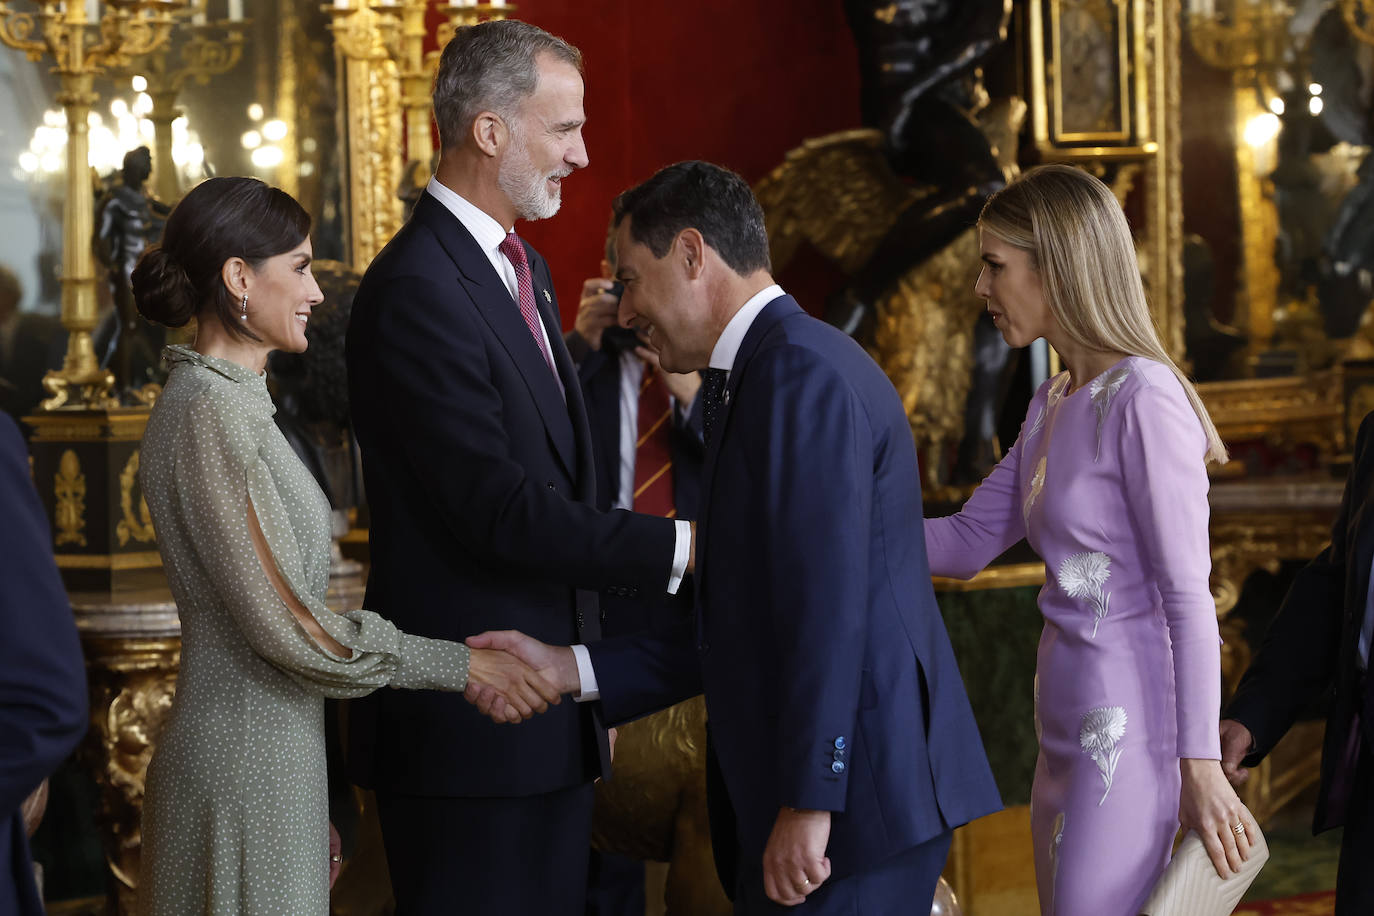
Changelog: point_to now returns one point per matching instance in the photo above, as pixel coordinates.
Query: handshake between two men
(513, 677)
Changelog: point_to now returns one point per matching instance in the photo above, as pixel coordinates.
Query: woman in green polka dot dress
(235, 817)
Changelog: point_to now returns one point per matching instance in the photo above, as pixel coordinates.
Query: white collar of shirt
(728, 344)
(489, 234)
(487, 231)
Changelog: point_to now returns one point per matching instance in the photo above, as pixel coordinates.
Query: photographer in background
(646, 423)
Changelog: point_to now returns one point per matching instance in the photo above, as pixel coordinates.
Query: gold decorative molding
(140, 527)
(1258, 286)
(141, 559)
(85, 463)
(371, 126)
(1138, 42)
(1090, 81)
(132, 682)
(124, 424)
(70, 489)
(1010, 575)
(293, 48)
(1163, 250)
(1282, 411)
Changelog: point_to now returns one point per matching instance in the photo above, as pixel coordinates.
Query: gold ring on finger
(1238, 829)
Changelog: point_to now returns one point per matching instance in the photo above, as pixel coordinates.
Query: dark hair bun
(162, 290)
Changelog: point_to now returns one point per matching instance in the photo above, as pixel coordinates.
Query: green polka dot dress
(235, 818)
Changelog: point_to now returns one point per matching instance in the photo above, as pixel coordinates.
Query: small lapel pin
(547, 297)
(727, 396)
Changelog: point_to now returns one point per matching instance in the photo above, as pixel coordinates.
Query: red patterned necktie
(515, 253)
(653, 456)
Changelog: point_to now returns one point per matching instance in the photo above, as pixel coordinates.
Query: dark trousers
(1354, 876)
(902, 885)
(488, 856)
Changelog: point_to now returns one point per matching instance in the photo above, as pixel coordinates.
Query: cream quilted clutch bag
(1190, 885)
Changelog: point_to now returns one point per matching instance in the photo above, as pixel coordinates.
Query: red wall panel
(737, 83)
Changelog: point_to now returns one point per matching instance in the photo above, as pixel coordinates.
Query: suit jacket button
(839, 743)
(837, 767)
(839, 755)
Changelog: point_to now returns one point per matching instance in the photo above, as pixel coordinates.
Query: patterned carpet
(1301, 871)
(1322, 903)
(1300, 864)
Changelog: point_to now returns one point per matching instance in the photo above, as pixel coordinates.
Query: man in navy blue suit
(42, 676)
(839, 730)
(477, 460)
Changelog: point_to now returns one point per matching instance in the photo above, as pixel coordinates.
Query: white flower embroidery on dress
(1037, 483)
(1082, 575)
(1056, 840)
(1036, 426)
(1100, 737)
(1101, 391)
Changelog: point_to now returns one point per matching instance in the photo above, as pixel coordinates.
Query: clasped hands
(511, 676)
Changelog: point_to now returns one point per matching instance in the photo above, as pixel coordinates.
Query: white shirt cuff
(682, 549)
(586, 676)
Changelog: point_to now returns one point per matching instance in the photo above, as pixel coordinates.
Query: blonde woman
(1108, 482)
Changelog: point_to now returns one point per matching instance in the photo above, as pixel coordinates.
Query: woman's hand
(335, 855)
(1209, 806)
(511, 689)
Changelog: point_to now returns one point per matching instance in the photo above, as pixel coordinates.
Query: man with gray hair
(478, 466)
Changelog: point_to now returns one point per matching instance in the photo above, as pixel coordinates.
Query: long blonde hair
(1079, 241)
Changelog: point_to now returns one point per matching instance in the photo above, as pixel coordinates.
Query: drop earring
(243, 313)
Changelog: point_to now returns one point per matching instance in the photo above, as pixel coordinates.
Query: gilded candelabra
(201, 49)
(82, 45)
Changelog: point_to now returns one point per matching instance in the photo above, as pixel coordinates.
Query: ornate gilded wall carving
(132, 681)
(138, 527)
(372, 116)
(70, 489)
(655, 807)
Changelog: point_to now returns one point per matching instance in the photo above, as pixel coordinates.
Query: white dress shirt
(722, 357)
(489, 235)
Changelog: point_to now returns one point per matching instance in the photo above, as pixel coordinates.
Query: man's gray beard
(523, 185)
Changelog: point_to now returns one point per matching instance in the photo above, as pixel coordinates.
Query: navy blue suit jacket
(480, 486)
(599, 372)
(829, 678)
(43, 702)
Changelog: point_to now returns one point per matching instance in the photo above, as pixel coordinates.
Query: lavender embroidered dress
(1109, 486)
